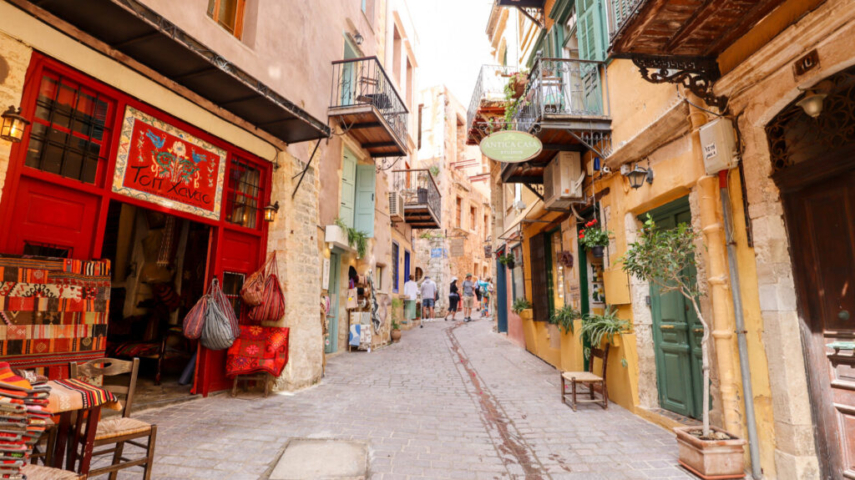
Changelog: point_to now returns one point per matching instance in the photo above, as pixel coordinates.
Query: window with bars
(46, 250)
(244, 194)
(232, 283)
(69, 134)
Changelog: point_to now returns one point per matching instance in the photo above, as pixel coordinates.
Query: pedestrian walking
(453, 299)
(468, 297)
(429, 292)
(411, 292)
(477, 292)
(484, 302)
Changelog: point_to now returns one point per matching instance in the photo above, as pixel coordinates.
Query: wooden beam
(360, 126)
(565, 147)
(379, 145)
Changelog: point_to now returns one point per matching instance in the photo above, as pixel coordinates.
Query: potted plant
(597, 327)
(594, 238)
(396, 330)
(507, 260)
(520, 306)
(564, 317)
(516, 85)
(355, 238)
(661, 257)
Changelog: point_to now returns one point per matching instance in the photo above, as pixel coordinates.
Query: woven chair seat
(582, 376)
(38, 472)
(117, 427)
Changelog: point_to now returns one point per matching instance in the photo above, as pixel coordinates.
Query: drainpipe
(742, 343)
(722, 329)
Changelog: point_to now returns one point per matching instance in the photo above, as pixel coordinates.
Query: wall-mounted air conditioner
(562, 181)
(396, 206)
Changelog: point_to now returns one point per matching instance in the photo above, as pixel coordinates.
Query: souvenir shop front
(154, 206)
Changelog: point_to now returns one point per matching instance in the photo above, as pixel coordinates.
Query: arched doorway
(813, 164)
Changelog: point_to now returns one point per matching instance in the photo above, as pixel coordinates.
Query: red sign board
(161, 164)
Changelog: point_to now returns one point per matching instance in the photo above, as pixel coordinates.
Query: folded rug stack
(23, 419)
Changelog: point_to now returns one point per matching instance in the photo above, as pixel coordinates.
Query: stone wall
(14, 60)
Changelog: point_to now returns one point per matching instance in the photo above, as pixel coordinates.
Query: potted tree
(594, 238)
(661, 257)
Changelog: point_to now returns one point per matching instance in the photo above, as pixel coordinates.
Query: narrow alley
(451, 400)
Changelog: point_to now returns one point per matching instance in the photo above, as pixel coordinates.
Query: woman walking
(453, 299)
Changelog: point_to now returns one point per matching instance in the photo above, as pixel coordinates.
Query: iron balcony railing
(363, 81)
(489, 89)
(621, 11)
(559, 86)
(418, 188)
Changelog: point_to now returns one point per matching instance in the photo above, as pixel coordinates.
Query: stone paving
(451, 400)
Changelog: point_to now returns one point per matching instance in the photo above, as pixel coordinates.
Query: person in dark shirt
(453, 299)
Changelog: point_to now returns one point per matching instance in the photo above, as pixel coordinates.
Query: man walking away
(428, 299)
(468, 297)
(411, 291)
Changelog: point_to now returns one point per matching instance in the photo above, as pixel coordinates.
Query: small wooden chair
(590, 379)
(119, 430)
(38, 472)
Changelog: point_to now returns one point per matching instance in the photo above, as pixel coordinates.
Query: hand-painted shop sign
(511, 146)
(161, 164)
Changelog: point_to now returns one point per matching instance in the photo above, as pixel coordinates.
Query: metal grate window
(69, 134)
(46, 250)
(244, 194)
(232, 283)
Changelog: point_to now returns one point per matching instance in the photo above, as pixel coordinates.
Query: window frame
(396, 266)
(240, 11)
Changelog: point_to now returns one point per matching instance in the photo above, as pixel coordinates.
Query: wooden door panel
(675, 388)
(49, 214)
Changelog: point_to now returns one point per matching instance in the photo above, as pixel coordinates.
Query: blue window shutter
(348, 188)
(364, 211)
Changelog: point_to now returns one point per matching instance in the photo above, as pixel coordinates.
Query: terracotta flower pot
(396, 336)
(711, 459)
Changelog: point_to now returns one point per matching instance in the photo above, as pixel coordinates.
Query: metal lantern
(812, 103)
(13, 126)
(638, 175)
(270, 212)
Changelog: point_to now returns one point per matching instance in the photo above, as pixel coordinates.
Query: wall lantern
(358, 38)
(812, 103)
(13, 126)
(638, 175)
(270, 212)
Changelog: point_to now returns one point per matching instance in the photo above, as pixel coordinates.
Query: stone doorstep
(666, 419)
(309, 458)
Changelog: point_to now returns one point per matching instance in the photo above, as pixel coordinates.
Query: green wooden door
(677, 333)
(334, 291)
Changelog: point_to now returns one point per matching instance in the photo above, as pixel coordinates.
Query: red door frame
(212, 380)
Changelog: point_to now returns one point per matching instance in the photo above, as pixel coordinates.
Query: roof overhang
(135, 30)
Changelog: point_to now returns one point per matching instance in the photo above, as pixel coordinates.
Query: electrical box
(562, 181)
(719, 146)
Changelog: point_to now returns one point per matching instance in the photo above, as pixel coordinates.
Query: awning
(142, 34)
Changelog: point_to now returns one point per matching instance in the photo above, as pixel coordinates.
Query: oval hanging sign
(511, 146)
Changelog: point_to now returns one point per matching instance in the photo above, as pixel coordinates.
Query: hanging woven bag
(253, 289)
(194, 322)
(226, 307)
(272, 307)
(217, 333)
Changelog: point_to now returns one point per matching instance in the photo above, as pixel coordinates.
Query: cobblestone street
(448, 401)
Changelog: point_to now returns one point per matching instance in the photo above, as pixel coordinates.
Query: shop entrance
(159, 273)
(677, 332)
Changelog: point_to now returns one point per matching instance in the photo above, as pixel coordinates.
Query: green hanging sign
(511, 146)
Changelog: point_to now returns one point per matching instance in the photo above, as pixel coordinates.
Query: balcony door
(349, 75)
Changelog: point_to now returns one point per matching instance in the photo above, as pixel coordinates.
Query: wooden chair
(590, 379)
(117, 431)
(38, 472)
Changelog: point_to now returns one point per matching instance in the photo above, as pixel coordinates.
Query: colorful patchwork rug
(258, 349)
(72, 394)
(53, 311)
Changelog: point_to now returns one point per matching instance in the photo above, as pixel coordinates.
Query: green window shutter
(591, 29)
(364, 212)
(348, 188)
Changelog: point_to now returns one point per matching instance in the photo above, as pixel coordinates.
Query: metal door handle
(666, 327)
(698, 330)
(843, 315)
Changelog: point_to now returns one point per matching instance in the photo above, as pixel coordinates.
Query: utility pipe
(722, 328)
(742, 343)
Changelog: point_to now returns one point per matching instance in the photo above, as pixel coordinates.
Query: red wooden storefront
(60, 183)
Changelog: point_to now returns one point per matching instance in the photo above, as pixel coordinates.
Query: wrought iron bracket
(698, 74)
(533, 14)
(385, 163)
(592, 139)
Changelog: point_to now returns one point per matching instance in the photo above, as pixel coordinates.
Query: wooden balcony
(421, 198)
(366, 105)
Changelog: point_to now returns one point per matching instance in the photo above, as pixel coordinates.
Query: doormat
(308, 458)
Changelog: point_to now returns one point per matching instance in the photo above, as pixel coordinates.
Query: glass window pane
(52, 160)
(228, 13)
(71, 167)
(34, 153)
(90, 168)
(212, 4)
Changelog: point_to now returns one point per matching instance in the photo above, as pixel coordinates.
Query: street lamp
(270, 212)
(358, 39)
(13, 126)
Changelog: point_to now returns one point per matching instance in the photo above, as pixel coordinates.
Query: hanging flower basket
(594, 238)
(598, 251)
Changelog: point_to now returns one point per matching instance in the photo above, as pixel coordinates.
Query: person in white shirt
(411, 292)
(429, 293)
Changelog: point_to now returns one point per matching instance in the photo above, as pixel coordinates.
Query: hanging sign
(511, 146)
(161, 164)
(457, 247)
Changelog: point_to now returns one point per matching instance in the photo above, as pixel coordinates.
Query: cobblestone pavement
(451, 400)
